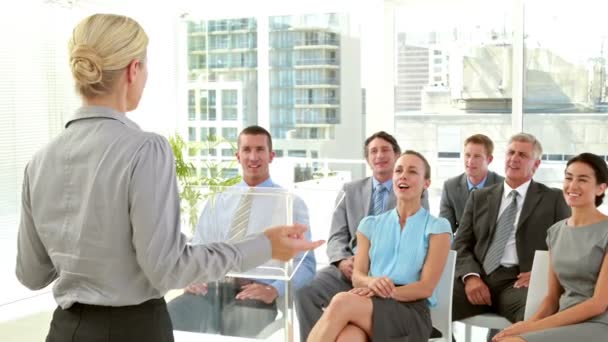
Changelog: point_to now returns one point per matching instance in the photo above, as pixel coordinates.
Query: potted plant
(190, 182)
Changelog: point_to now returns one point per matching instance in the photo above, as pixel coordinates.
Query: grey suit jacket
(543, 206)
(354, 206)
(454, 196)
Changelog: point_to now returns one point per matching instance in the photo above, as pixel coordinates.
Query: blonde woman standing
(100, 206)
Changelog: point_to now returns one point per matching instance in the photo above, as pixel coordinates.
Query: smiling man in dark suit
(478, 151)
(501, 228)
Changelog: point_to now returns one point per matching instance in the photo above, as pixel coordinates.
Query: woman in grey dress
(575, 307)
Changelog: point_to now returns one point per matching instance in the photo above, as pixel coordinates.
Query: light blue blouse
(400, 254)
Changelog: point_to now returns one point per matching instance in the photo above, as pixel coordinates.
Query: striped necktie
(504, 228)
(378, 207)
(240, 220)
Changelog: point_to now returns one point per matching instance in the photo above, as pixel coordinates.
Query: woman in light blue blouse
(399, 260)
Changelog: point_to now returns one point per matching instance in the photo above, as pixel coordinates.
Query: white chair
(441, 314)
(539, 282)
(536, 293)
(486, 320)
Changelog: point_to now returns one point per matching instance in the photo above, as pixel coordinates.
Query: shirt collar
(268, 183)
(478, 186)
(388, 184)
(522, 190)
(420, 213)
(89, 112)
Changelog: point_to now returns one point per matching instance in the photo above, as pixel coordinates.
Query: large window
(321, 76)
(566, 88)
(453, 79)
(36, 99)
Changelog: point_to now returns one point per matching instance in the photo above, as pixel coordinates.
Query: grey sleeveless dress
(576, 257)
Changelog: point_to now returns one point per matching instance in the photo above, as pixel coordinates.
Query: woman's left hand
(363, 292)
(513, 330)
(382, 286)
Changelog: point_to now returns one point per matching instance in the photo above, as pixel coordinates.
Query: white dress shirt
(509, 257)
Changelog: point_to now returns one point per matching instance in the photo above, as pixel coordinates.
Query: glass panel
(232, 214)
(566, 89)
(453, 80)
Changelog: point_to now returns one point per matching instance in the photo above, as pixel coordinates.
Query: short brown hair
(384, 136)
(481, 139)
(255, 130)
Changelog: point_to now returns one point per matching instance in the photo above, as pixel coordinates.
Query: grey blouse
(100, 214)
(576, 256)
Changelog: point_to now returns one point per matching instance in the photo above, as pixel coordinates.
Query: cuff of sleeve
(254, 251)
(470, 274)
(336, 259)
(279, 285)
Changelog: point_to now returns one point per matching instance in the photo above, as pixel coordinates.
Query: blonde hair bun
(101, 47)
(86, 65)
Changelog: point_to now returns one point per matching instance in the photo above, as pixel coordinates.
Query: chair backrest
(539, 282)
(441, 314)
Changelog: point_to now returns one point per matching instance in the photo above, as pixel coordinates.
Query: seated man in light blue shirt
(239, 306)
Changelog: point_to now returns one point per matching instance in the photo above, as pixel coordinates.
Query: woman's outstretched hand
(287, 241)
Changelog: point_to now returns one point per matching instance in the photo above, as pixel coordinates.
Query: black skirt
(400, 321)
(148, 321)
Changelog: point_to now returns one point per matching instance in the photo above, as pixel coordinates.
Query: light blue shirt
(388, 185)
(268, 209)
(478, 186)
(400, 254)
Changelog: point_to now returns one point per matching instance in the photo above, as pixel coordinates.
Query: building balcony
(323, 82)
(222, 66)
(317, 43)
(315, 120)
(318, 102)
(316, 63)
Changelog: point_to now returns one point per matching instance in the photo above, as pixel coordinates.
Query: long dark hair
(599, 167)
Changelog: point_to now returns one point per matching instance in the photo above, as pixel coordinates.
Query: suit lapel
(366, 196)
(463, 191)
(494, 199)
(533, 196)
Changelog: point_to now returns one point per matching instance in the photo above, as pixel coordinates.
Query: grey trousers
(218, 312)
(507, 301)
(312, 298)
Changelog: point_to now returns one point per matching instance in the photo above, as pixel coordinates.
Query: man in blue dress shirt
(239, 306)
(478, 154)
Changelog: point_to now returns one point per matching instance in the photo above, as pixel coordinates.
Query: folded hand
(382, 286)
(363, 292)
